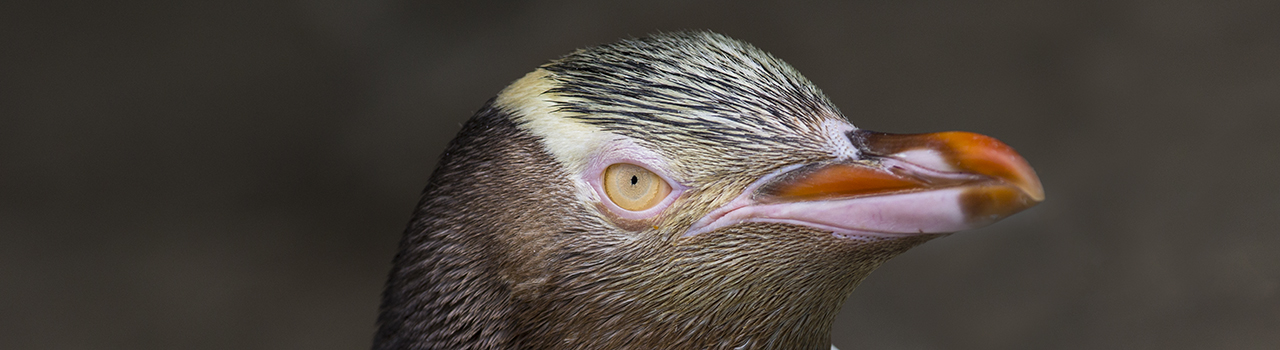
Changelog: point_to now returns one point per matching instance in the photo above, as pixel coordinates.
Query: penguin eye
(634, 188)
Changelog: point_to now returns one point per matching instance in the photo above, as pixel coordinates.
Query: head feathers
(735, 103)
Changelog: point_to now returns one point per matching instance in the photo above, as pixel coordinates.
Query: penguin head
(684, 190)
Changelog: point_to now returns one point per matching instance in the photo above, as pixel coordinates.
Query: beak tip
(986, 155)
(1035, 192)
(1027, 181)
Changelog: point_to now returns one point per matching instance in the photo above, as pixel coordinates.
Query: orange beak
(900, 185)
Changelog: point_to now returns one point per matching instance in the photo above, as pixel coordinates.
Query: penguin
(677, 191)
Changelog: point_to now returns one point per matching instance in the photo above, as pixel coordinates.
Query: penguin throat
(724, 292)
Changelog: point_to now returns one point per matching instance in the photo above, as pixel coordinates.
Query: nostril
(859, 139)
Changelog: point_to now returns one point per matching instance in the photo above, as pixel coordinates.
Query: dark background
(235, 174)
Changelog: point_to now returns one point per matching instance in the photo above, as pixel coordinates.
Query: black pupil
(634, 179)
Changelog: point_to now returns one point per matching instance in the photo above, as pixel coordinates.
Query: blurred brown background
(235, 174)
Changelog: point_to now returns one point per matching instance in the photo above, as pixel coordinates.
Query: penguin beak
(900, 185)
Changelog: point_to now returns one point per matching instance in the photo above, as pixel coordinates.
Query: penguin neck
(603, 323)
(449, 286)
(738, 290)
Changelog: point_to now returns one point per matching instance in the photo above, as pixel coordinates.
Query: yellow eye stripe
(634, 188)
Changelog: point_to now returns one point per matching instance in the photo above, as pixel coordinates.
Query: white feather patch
(571, 142)
(837, 134)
